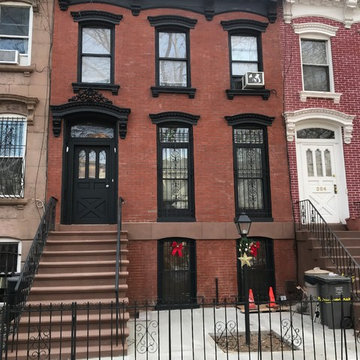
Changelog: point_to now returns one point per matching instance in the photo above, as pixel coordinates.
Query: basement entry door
(92, 187)
(321, 173)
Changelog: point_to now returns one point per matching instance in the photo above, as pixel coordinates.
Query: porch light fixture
(243, 224)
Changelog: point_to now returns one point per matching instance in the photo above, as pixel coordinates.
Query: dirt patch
(267, 341)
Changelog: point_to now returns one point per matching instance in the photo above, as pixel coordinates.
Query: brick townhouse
(25, 37)
(149, 102)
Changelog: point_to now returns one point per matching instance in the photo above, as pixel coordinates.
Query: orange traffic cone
(272, 303)
(252, 305)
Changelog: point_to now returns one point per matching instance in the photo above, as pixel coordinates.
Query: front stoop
(78, 265)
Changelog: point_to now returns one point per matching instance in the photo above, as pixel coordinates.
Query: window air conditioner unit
(9, 57)
(253, 80)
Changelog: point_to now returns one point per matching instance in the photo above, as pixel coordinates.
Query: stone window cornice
(293, 118)
(18, 104)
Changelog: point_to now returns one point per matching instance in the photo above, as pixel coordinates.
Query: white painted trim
(344, 11)
(294, 118)
(25, 59)
(321, 95)
(315, 28)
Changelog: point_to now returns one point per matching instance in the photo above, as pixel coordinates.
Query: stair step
(60, 293)
(84, 255)
(87, 227)
(90, 244)
(85, 235)
(348, 234)
(74, 279)
(80, 266)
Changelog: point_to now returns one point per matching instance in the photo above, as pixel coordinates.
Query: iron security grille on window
(12, 156)
(175, 172)
(251, 172)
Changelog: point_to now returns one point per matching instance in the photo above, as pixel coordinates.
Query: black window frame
(175, 120)
(244, 27)
(172, 24)
(253, 121)
(259, 62)
(102, 20)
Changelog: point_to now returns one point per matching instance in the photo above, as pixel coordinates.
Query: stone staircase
(310, 253)
(77, 266)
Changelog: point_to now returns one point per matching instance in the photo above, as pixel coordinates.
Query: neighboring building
(147, 103)
(25, 37)
(321, 70)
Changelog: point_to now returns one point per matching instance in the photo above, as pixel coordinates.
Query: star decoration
(245, 259)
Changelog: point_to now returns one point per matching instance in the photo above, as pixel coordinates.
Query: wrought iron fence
(212, 330)
(310, 219)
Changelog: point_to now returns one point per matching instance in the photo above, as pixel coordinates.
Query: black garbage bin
(335, 300)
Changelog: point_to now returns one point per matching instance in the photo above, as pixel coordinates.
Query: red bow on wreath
(254, 248)
(176, 249)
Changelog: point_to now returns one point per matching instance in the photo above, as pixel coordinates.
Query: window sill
(156, 90)
(18, 202)
(27, 70)
(264, 93)
(176, 219)
(110, 87)
(320, 94)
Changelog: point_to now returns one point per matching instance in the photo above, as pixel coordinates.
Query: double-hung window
(175, 165)
(173, 59)
(251, 165)
(15, 34)
(315, 64)
(96, 53)
(251, 171)
(172, 54)
(12, 155)
(245, 57)
(175, 169)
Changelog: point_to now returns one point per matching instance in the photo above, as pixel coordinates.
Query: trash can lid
(332, 279)
(316, 270)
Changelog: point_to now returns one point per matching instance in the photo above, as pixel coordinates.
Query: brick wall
(345, 47)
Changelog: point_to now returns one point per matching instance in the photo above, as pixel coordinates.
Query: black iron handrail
(118, 266)
(23, 285)
(331, 246)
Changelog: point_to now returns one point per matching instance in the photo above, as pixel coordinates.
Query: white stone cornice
(345, 11)
(293, 118)
(314, 27)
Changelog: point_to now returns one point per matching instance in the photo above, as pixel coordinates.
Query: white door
(322, 177)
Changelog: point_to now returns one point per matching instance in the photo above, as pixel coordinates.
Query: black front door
(177, 274)
(90, 177)
(92, 185)
(261, 275)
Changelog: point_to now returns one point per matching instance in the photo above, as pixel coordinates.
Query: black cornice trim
(264, 93)
(156, 90)
(172, 20)
(89, 101)
(174, 116)
(208, 8)
(244, 24)
(95, 15)
(249, 118)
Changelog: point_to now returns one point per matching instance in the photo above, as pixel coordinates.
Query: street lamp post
(243, 224)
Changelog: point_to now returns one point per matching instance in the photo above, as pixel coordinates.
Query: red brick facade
(213, 230)
(345, 47)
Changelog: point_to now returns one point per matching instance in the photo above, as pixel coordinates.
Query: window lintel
(249, 119)
(315, 29)
(244, 25)
(96, 16)
(25, 105)
(172, 20)
(176, 117)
